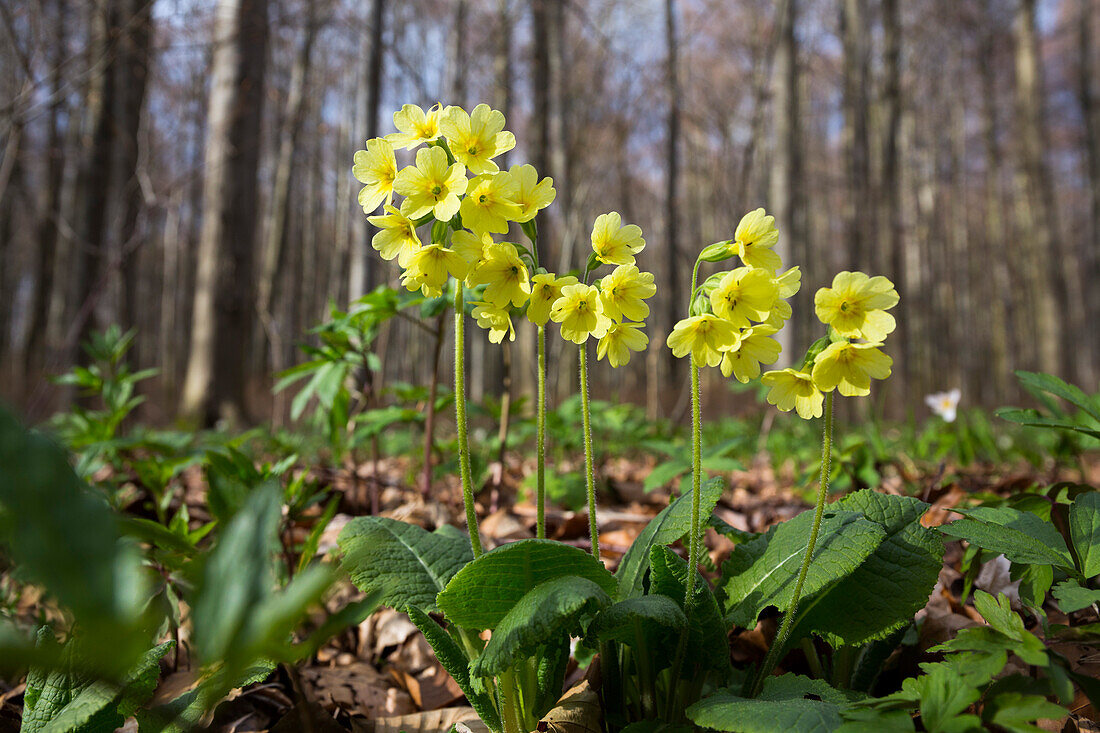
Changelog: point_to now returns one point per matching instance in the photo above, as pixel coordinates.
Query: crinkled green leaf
(551, 611)
(1022, 537)
(708, 642)
(671, 524)
(891, 585)
(787, 703)
(409, 564)
(483, 592)
(1084, 529)
(943, 697)
(763, 572)
(650, 620)
(863, 720)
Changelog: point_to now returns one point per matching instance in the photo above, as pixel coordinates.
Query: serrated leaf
(1071, 596)
(787, 703)
(484, 591)
(1084, 530)
(891, 585)
(1020, 536)
(550, 611)
(671, 524)
(943, 697)
(763, 572)
(708, 644)
(409, 564)
(1015, 712)
(876, 721)
(1073, 394)
(456, 663)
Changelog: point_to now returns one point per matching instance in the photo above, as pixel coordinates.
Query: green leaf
(665, 473)
(1034, 419)
(787, 703)
(552, 610)
(1034, 381)
(482, 593)
(641, 621)
(237, 574)
(1015, 712)
(671, 524)
(1005, 633)
(708, 643)
(1084, 531)
(457, 664)
(66, 702)
(1020, 536)
(863, 720)
(409, 564)
(943, 696)
(1071, 596)
(763, 572)
(891, 585)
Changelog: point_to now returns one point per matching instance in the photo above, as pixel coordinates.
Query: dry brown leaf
(432, 721)
(578, 711)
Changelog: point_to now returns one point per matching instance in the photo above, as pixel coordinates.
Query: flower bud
(717, 252)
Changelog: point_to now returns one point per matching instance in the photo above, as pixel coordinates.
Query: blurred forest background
(183, 168)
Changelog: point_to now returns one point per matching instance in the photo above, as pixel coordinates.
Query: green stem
(695, 541)
(512, 716)
(589, 472)
(460, 419)
(540, 476)
(788, 618)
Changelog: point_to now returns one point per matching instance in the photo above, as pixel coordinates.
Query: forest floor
(381, 676)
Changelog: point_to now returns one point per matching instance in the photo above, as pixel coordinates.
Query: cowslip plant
(444, 236)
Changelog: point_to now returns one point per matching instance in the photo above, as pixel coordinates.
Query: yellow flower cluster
(455, 185)
(735, 313)
(613, 310)
(853, 308)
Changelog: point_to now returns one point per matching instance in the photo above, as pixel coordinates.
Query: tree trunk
(1034, 208)
(1090, 111)
(892, 217)
(786, 173)
(215, 382)
(363, 272)
(274, 252)
(859, 206)
(673, 304)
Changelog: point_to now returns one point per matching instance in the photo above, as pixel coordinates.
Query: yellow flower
(756, 348)
(376, 166)
(855, 306)
(849, 367)
(755, 236)
(489, 204)
(706, 336)
(497, 321)
(619, 341)
(545, 289)
(743, 294)
(429, 268)
(623, 293)
(475, 139)
(613, 243)
(431, 185)
(579, 310)
(396, 236)
(505, 274)
(415, 126)
(780, 314)
(470, 246)
(789, 283)
(532, 195)
(794, 389)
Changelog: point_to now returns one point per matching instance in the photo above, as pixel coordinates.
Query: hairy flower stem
(460, 420)
(788, 618)
(589, 468)
(540, 477)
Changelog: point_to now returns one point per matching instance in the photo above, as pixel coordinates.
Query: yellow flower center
(436, 190)
(482, 198)
(472, 150)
